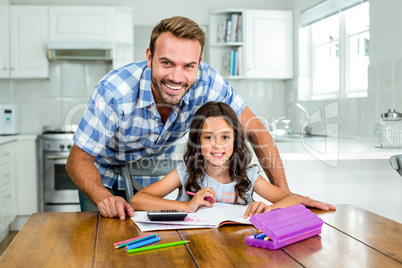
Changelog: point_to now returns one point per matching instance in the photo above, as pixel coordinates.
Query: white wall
(385, 30)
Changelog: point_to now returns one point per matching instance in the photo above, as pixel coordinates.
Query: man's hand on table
(308, 202)
(115, 206)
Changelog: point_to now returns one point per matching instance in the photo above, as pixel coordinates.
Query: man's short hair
(180, 27)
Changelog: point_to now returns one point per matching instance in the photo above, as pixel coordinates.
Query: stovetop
(59, 133)
(67, 129)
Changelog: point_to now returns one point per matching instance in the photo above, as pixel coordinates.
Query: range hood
(79, 50)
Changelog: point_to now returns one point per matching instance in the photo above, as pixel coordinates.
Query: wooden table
(351, 237)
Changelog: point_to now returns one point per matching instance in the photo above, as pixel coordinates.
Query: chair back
(396, 163)
(144, 167)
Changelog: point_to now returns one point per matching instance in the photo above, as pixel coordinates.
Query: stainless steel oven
(58, 193)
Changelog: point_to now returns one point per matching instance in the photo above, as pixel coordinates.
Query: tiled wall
(46, 102)
(357, 116)
(49, 102)
(265, 98)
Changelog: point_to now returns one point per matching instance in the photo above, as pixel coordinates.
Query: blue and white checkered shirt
(121, 123)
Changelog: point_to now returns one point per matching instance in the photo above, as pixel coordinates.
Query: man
(141, 110)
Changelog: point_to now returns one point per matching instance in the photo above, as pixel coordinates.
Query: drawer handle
(56, 157)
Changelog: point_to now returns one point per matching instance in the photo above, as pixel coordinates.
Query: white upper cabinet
(24, 53)
(81, 23)
(123, 51)
(100, 24)
(269, 35)
(4, 42)
(25, 32)
(259, 44)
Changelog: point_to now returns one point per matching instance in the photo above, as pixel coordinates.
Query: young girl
(216, 168)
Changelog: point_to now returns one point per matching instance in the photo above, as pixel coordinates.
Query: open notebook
(204, 217)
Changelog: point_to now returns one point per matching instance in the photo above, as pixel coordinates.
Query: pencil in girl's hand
(158, 246)
(206, 198)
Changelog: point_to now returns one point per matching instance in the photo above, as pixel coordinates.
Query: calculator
(166, 215)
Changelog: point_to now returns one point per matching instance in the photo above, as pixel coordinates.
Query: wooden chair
(144, 167)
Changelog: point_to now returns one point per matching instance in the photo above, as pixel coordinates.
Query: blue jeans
(87, 205)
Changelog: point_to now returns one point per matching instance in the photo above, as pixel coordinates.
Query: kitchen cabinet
(23, 51)
(4, 42)
(19, 182)
(7, 180)
(264, 46)
(95, 23)
(80, 23)
(27, 182)
(123, 37)
(269, 49)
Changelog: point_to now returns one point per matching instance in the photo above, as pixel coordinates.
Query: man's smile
(172, 88)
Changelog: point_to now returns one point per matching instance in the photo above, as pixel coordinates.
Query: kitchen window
(338, 49)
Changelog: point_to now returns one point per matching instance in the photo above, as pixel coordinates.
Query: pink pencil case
(285, 226)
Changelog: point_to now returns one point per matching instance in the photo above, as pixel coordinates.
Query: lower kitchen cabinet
(8, 210)
(370, 184)
(25, 201)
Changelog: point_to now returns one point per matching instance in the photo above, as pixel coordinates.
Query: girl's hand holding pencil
(204, 197)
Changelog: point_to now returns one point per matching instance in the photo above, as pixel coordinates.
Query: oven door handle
(56, 157)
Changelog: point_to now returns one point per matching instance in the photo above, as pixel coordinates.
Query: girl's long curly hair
(239, 161)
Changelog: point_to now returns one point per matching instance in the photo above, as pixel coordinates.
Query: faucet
(282, 124)
(308, 128)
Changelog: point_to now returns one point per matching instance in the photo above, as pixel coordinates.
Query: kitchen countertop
(323, 148)
(333, 149)
(308, 149)
(9, 138)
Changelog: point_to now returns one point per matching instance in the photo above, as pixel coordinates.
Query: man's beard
(167, 98)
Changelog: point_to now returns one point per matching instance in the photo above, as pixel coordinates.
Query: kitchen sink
(298, 137)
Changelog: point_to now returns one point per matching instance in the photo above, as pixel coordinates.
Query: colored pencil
(132, 239)
(206, 198)
(261, 236)
(135, 241)
(144, 242)
(158, 246)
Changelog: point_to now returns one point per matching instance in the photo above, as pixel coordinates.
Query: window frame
(343, 91)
